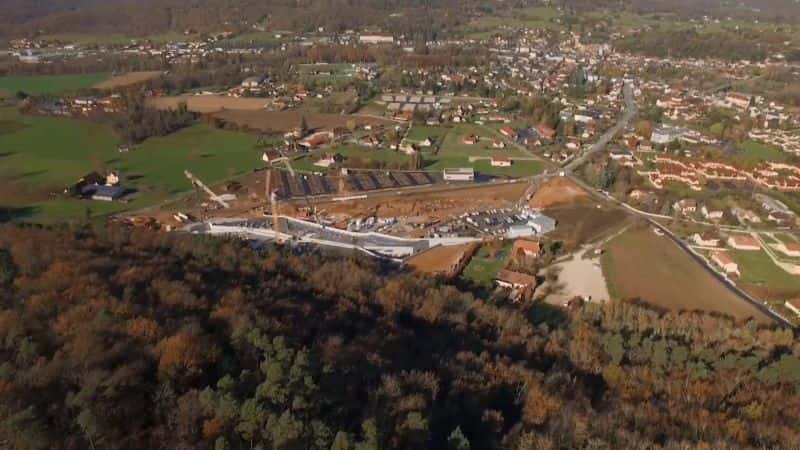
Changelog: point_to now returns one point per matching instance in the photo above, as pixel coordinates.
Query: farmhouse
(725, 262)
(744, 242)
(515, 280)
(316, 139)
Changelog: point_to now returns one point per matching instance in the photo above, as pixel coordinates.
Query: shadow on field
(541, 312)
(31, 174)
(9, 214)
(7, 154)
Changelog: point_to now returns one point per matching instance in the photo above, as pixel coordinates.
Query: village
(439, 167)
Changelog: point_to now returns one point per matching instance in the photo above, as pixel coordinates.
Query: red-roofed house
(514, 280)
(744, 242)
(789, 249)
(526, 248)
(544, 131)
(725, 262)
(793, 305)
(501, 161)
(508, 132)
(471, 139)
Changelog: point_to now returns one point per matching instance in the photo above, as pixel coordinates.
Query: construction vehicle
(200, 185)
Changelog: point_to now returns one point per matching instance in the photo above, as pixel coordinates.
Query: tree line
(112, 337)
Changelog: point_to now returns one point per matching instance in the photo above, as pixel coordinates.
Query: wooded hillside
(116, 338)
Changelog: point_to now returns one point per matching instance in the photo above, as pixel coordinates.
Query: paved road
(627, 115)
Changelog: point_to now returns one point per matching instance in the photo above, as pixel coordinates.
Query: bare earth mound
(557, 191)
(128, 79)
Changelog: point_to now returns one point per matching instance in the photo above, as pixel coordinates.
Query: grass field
(483, 267)
(49, 84)
(41, 155)
(422, 132)
(352, 152)
(517, 170)
(752, 152)
(531, 17)
(454, 146)
(758, 270)
(640, 264)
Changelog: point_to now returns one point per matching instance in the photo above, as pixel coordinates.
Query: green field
(751, 152)
(453, 152)
(483, 268)
(422, 132)
(366, 156)
(49, 84)
(42, 155)
(518, 169)
(757, 269)
(531, 17)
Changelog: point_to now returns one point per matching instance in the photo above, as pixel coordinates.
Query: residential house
(515, 280)
(501, 161)
(709, 238)
(725, 262)
(327, 160)
(789, 249)
(526, 248)
(471, 139)
(508, 132)
(711, 214)
(744, 242)
(793, 305)
(686, 206)
(545, 132)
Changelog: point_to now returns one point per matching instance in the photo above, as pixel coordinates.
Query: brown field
(641, 265)
(208, 103)
(446, 261)
(430, 206)
(557, 191)
(128, 79)
(281, 121)
(584, 222)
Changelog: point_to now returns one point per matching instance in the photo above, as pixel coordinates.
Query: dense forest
(124, 338)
